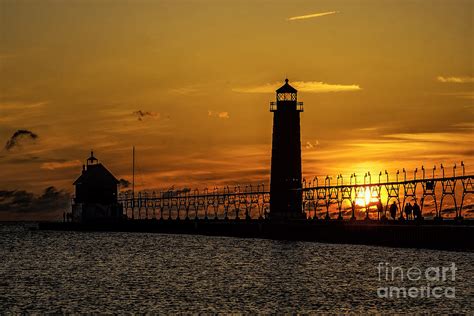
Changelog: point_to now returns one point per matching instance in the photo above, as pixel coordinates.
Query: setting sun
(367, 199)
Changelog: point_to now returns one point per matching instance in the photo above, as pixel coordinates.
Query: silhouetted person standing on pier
(416, 211)
(408, 210)
(381, 214)
(393, 210)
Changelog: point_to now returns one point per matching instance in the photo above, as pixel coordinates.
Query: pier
(326, 201)
(365, 209)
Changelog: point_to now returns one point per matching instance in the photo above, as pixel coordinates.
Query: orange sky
(386, 85)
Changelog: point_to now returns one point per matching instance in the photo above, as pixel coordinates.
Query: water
(130, 272)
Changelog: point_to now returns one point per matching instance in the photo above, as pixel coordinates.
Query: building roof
(286, 88)
(96, 174)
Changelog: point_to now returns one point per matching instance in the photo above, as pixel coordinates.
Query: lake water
(75, 272)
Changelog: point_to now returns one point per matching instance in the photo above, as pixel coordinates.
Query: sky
(386, 85)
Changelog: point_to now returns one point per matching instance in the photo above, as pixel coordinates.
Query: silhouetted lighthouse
(285, 182)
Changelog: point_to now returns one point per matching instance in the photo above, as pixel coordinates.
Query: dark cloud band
(20, 201)
(17, 136)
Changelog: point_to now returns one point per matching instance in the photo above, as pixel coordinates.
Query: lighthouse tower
(285, 183)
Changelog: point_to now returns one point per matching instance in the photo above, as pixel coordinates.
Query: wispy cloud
(190, 90)
(217, 166)
(463, 79)
(12, 111)
(17, 136)
(368, 129)
(310, 16)
(432, 137)
(464, 125)
(311, 145)
(317, 86)
(303, 86)
(21, 106)
(143, 114)
(60, 165)
(221, 115)
(461, 95)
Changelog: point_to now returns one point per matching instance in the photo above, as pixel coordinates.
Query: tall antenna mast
(133, 171)
(133, 182)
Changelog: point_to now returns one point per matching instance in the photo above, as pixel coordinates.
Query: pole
(133, 182)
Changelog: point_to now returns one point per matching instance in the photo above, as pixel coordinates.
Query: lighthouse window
(286, 97)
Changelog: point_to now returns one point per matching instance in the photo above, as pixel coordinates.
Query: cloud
(223, 115)
(20, 201)
(215, 166)
(432, 137)
(318, 87)
(464, 79)
(310, 16)
(462, 94)
(18, 111)
(141, 115)
(466, 208)
(303, 86)
(124, 183)
(220, 115)
(21, 159)
(60, 165)
(368, 129)
(22, 106)
(17, 136)
(310, 145)
(185, 90)
(464, 125)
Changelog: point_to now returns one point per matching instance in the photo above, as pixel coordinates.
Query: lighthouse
(96, 194)
(285, 183)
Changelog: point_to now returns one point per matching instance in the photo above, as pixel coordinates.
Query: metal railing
(254, 201)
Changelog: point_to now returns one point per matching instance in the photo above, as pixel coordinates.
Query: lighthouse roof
(96, 174)
(286, 88)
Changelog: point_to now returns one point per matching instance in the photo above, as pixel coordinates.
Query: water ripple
(73, 272)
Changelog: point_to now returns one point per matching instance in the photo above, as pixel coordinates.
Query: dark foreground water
(129, 272)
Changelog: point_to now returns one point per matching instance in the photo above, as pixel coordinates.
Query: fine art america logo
(413, 282)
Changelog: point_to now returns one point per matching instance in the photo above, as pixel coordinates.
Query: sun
(366, 200)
